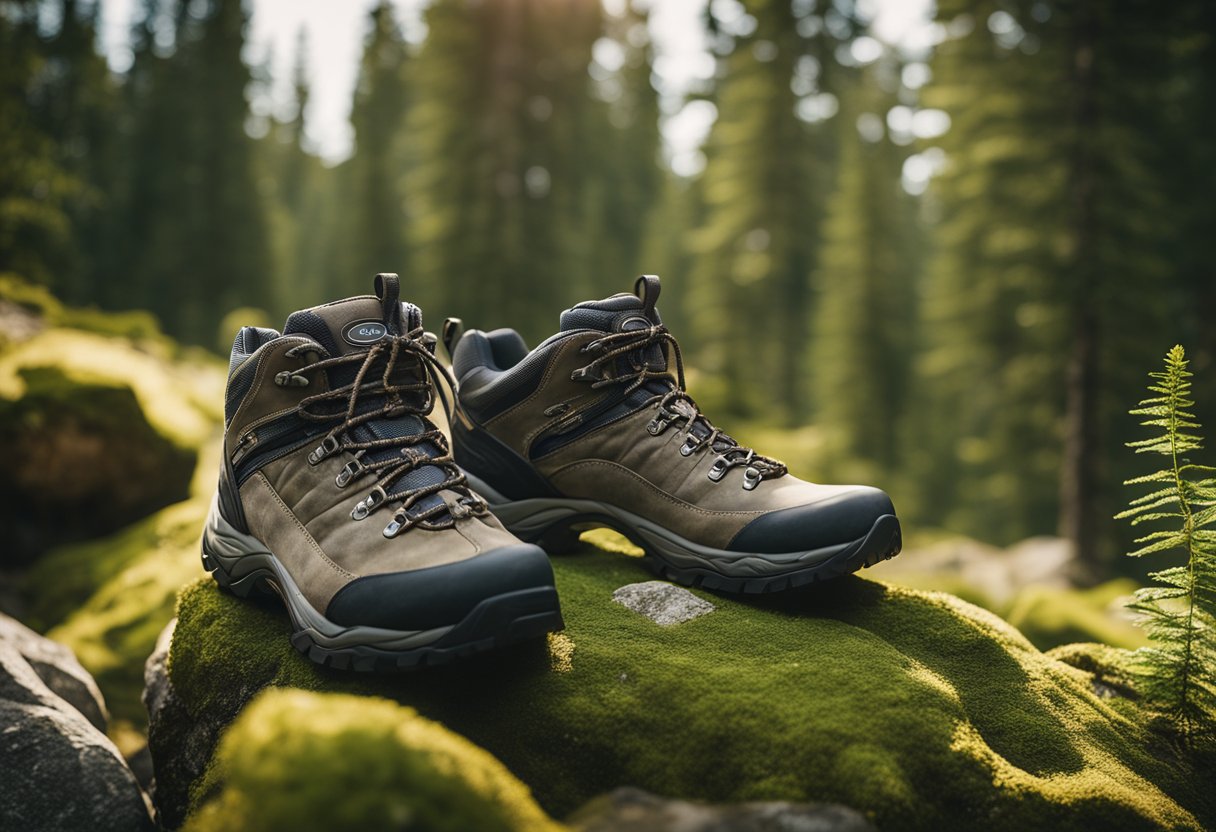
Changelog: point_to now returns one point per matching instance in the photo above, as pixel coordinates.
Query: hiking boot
(594, 428)
(337, 493)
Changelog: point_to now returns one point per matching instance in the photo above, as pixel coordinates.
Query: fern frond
(1176, 672)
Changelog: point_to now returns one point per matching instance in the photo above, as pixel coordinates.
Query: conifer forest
(943, 264)
(965, 315)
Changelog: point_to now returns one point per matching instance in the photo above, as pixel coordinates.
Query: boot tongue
(352, 325)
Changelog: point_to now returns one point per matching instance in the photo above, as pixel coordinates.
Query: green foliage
(1050, 617)
(914, 707)
(305, 761)
(374, 224)
(866, 282)
(763, 188)
(1178, 671)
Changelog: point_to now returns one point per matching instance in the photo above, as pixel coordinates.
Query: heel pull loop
(452, 332)
(646, 287)
(388, 290)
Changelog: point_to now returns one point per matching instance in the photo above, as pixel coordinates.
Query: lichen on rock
(914, 707)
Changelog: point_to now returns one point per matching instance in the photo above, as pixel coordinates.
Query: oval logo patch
(362, 333)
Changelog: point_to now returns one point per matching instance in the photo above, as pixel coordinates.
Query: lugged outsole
(554, 525)
(497, 621)
(883, 542)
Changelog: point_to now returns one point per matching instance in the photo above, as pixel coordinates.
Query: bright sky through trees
(335, 31)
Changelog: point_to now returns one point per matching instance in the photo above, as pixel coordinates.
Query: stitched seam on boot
(316, 547)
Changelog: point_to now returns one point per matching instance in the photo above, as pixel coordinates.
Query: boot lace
(674, 405)
(402, 389)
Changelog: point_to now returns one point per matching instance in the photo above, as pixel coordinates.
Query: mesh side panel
(306, 322)
(238, 387)
(630, 404)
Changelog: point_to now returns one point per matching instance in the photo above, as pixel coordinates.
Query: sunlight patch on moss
(115, 629)
(561, 652)
(182, 399)
(611, 541)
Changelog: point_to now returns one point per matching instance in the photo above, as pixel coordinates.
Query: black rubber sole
(498, 621)
(883, 542)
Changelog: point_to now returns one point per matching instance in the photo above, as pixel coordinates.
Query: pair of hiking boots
(392, 548)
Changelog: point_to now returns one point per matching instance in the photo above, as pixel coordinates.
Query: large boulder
(96, 431)
(58, 669)
(59, 771)
(914, 707)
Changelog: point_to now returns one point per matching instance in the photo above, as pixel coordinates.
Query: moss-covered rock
(109, 599)
(1051, 617)
(915, 707)
(96, 431)
(303, 761)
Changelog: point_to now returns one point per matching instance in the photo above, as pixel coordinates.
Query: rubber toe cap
(439, 596)
(842, 517)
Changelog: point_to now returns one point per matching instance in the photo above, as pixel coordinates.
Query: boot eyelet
(718, 470)
(751, 478)
(290, 379)
(349, 471)
(690, 446)
(328, 447)
(399, 523)
(368, 503)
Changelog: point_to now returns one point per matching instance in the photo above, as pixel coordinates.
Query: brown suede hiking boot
(337, 493)
(593, 427)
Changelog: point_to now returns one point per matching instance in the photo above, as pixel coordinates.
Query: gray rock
(639, 811)
(57, 667)
(156, 678)
(661, 602)
(171, 726)
(60, 772)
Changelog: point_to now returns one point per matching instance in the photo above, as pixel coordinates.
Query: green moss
(305, 761)
(915, 707)
(1107, 666)
(37, 300)
(180, 395)
(1050, 617)
(112, 597)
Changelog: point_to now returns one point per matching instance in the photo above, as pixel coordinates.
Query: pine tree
(196, 213)
(865, 308)
(763, 186)
(1177, 672)
(374, 232)
(35, 190)
(1050, 268)
(620, 197)
(76, 106)
(501, 109)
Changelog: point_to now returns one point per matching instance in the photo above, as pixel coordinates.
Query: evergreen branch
(1176, 671)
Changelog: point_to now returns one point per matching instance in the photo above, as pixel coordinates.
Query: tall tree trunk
(1080, 480)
